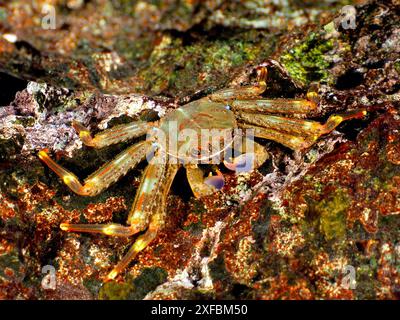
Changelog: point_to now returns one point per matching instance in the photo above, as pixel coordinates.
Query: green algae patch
(178, 67)
(332, 215)
(308, 62)
(397, 66)
(134, 289)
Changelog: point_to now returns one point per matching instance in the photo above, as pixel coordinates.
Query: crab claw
(217, 181)
(242, 163)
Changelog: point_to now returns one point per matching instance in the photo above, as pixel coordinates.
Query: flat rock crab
(280, 120)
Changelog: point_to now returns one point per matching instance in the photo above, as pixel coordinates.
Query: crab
(281, 120)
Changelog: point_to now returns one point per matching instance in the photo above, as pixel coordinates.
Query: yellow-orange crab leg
(113, 135)
(300, 107)
(291, 141)
(110, 229)
(139, 224)
(148, 189)
(296, 134)
(226, 95)
(150, 201)
(299, 126)
(195, 177)
(107, 174)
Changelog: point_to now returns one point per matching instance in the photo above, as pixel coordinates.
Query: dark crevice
(9, 87)
(351, 79)
(181, 186)
(352, 128)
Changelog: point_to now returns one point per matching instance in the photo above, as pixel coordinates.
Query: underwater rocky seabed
(289, 230)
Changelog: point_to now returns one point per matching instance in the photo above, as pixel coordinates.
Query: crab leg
(291, 141)
(110, 229)
(150, 202)
(299, 126)
(145, 200)
(107, 174)
(237, 99)
(300, 107)
(296, 134)
(226, 95)
(113, 135)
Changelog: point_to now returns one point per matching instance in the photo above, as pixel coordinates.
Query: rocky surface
(297, 228)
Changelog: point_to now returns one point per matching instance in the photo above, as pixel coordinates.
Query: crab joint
(83, 132)
(69, 178)
(111, 275)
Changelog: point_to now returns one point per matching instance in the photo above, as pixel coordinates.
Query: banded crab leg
(113, 135)
(103, 177)
(227, 95)
(99, 181)
(150, 204)
(297, 134)
(236, 98)
(296, 107)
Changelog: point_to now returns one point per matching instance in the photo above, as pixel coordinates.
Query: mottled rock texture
(296, 228)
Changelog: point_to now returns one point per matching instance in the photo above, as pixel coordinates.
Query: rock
(297, 228)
